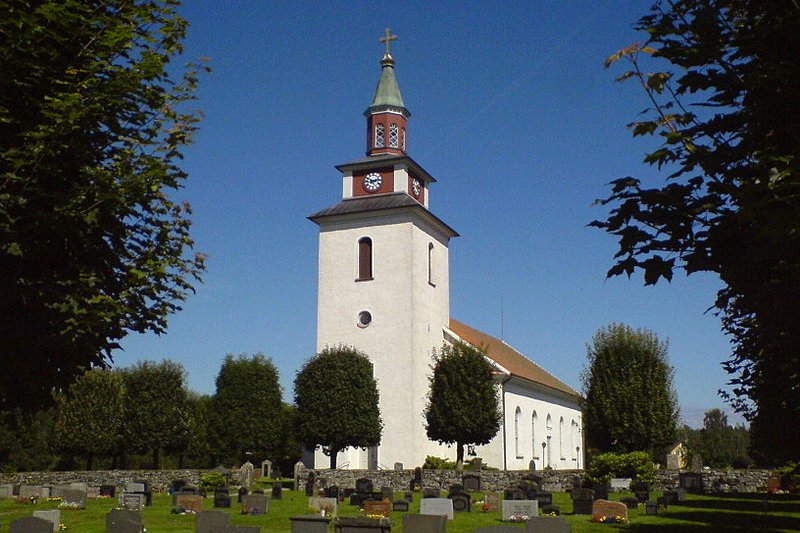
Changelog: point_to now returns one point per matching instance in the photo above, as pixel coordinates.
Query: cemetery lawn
(711, 514)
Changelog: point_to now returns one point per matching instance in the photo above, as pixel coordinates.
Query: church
(384, 288)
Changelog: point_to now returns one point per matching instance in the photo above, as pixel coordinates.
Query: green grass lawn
(743, 512)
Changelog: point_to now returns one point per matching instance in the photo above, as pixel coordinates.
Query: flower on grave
(69, 506)
(53, 499)
(518, 518)
(62, 526)
(485, 507)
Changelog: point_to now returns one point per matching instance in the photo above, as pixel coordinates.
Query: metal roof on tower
(387, 93)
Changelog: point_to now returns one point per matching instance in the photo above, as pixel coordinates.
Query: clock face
(372, 182)
(416, 187)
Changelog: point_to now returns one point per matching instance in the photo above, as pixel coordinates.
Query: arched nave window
(549, 421)
(517, 416)
(561, 438)
(534, 444)
(573, 439)
(364, 258)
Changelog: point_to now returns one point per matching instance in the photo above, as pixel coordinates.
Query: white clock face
(416, 187)
(372, 181)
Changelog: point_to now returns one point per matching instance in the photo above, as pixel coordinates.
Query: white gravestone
(619, 484)
(437, 507)
(527, 508)
(246, 475)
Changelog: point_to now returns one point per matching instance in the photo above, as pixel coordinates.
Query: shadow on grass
(721, 521)
(752, 503)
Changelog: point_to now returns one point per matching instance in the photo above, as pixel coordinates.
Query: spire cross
(388, 38)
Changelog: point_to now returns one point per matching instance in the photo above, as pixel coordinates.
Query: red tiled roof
(509, 358)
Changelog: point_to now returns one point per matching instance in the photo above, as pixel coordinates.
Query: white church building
(384, 288)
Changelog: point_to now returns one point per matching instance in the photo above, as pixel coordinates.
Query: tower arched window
(364, 258)
(379, 136)
(430, 264)
(517, 416)
(393, 135)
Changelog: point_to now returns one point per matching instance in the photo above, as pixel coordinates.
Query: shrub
(790, 477)
(438, 463)
(635, 465)
(211, 481)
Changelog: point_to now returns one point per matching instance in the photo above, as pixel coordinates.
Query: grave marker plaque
(461, 502)
(255, 504)
(31, 524)
(492, 502)
(401, 506)
(437, 507)
(513, 508)
(132, 501)
(471, 483)
(122, 515)
(420, 523)
(607, 508)
(382, 508)
(75, 497)
(210, 521)
(190, 502)
(6, 490)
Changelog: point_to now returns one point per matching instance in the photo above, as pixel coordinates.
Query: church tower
(384, 276)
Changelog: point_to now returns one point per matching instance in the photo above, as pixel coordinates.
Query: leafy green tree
(157, 414)
(629, 401)
(337, 402)
(91, 130)
(246, 411)
(719, 444)
(731, 206)
(198, 451)
(90, 414)
(462, 402)
(25, 440)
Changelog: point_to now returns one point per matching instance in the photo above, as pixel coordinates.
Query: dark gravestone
(547, 524)
(461, 502)
(551, 510)
(642, 495)
(255, 504)
(122, 515)
(363, 485)
(400, 506)
(544, 498)
(176, 485)
(471, 482)
(148, 492)
(431, 493)
(310, 488)
(417, 481)
(31, 524)
(331, 492)
(600, 491)
(651, 508)
(387, 493)
(208, 521)
(75, 498)
(126, 526)
(630, 503)
(357, 498)
(242, 493)
(456, 488)
(277, 491)
(258, 491)
(582, 501)
(222, 498)
(108, 491)
(421, 523)
(408, 496)
(671, 496)
(690, 481)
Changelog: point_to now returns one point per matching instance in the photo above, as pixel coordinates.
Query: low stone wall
(159, 480)
(552, 480)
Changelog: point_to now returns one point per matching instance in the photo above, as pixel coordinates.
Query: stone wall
(159, 479)
(552, 480)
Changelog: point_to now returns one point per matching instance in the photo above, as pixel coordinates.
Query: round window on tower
(364, 319)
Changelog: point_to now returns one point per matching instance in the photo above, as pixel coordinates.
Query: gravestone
(363, 485)
(329, 505)
(512, 508)
(208, 521)
(420, 523)
(651, 508)
(132, 501)
(492, 502)
(398, 467)
(582, 501)
(607, 508)
(514, 494)
(400, 506)
(190, 502)
(52, 515)
(222, 498)
(266, 468)
(6, 490)
(477, 464)
(600, 491)
(310, 488)
(417, 481)
(331, 492)
(437, 506)
(30, 491)
(673, 461)
(176, 485)
(242, 493)
(255, 504)
(108, 491)
(620, 484)
(630, 503)
(126, 526)
(461, 502)
(431, 493)
(544, 498)
(75, 497)
(246, 475)
(310, 523)
(79, 486)
(471, 483)
(382, 508)
(358, 498)
(408, 496)
(277, 491)
(31, 524)
(134, 487)
(387, 493)
(122, 515)
(697, 462)
(547, 524)
(456, 488)
(691, 481)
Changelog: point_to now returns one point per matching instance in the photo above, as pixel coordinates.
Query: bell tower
(384, 276)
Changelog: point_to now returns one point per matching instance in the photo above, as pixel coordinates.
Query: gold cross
(388, 38)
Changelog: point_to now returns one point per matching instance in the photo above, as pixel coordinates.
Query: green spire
(387, 94)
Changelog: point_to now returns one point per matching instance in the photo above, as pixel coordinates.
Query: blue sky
(514, 115)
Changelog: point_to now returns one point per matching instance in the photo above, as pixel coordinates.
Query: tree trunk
(459, 456)
(89, 461)
(334, 453)
(156, 459)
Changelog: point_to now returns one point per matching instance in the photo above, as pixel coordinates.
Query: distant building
(384, 288)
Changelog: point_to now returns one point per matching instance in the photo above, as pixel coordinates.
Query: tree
(246, 414)
(337, 402)
(157, 414)
(719, 444)
(92, 246)
(90, 414)
(462, 402)
(629, 401)
(730, 141)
